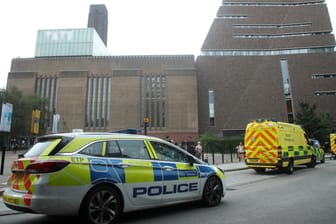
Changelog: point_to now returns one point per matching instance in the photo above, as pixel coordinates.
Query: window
(98, 100)
(41, 147)
(169, 153)
(287, 89)
(135, 149)
(323, 76)
(112, 149)
(266, 52)
(325, 93)
(94, 149)
(153, 100)
(46, 87)
(211, 96)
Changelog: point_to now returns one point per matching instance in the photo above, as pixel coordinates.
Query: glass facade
(46, 87)
(98, 102)
(69, 42)
(211, 95)
(153, 100)
(287, 89)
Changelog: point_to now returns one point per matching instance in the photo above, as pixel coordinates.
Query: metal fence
(220, 158)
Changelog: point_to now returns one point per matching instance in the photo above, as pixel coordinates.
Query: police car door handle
(168, 168)
(124, 165)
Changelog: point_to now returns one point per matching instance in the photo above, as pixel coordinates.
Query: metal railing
(220, 158)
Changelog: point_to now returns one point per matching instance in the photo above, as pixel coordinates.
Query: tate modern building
(260, 59)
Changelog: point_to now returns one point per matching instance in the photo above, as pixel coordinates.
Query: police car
(98, 176)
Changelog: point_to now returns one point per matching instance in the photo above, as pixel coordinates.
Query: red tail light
(46, 166)
(279, 152)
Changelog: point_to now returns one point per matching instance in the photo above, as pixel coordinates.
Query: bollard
(2, 159)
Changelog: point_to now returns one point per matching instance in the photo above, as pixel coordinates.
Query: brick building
(259, 59)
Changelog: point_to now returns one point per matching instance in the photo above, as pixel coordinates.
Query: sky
(135, 27)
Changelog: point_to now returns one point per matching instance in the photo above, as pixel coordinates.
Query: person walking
(240, 151)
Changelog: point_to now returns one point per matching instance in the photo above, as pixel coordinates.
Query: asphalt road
(306, 197)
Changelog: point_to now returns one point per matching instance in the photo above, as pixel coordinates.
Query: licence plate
(11, 200)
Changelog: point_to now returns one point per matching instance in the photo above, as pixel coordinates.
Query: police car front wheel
(101, 205)
(213, 192)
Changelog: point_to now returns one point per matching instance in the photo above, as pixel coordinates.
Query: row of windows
(265, 52)
(153, 100)
(47, 87)
(279, 35)
(323, 76)
(135, 149)
(272, 4)
(325, 93)
(233, 17)
(276, 26)
(98, 102)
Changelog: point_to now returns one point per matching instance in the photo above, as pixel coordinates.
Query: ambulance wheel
(101, 205)
(259, 170)
(323, 159)
(290, 167)
(312, 163)
(213, 192)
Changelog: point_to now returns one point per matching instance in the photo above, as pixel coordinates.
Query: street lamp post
(146, 121)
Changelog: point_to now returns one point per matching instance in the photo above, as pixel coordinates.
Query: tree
(22, 111)
(316, 126)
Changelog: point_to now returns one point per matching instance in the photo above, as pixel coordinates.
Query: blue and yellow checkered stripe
(299, 151)
(109, 170)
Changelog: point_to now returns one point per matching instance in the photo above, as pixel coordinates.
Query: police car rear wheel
(212, 193)
(101, 206)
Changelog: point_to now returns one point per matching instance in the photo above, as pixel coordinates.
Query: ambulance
(333, 144)
(271, 144)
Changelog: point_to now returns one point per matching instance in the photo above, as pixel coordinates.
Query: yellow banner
(35, 125)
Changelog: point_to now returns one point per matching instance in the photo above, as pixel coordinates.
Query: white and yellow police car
(98, 176)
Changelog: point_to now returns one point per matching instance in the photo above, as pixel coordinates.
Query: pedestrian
(191, 148)
(240, 151)
(198, 150)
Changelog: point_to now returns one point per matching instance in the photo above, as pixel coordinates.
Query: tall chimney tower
(98, 19)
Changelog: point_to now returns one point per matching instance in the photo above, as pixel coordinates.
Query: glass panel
(112, 149)
(133, 149)
(94, 149)
(211, 107)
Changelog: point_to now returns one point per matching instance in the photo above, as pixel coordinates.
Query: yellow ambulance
(271, 144)
(333, 145)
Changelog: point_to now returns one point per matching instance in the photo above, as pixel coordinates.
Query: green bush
(216, 144)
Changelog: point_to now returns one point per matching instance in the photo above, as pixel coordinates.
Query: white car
(100, 175)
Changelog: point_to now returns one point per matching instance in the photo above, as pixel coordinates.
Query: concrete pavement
(10, 156)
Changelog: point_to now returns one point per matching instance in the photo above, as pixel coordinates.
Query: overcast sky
(136, 27)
